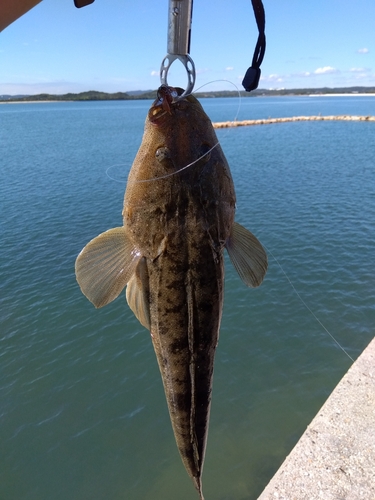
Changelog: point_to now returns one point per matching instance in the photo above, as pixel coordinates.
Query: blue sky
(118, 45)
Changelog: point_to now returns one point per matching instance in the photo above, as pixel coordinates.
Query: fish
(178, 216)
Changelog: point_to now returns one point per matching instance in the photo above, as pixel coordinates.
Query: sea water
(82, 409)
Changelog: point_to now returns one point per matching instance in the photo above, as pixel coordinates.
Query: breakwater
(269, 121)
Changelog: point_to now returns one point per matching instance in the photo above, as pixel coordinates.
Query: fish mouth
(162, 106)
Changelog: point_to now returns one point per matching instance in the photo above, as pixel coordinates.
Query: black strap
(252, 76)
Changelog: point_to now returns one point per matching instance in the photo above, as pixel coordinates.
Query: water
(82, 409)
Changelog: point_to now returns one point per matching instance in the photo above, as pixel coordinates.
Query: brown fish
(178, 216)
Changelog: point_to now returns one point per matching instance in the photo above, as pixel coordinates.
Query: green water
(82, 409)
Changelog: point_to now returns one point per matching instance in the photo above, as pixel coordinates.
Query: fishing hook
(179, 29)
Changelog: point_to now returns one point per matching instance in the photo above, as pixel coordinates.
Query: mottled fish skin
(178, 215)
(180, 224)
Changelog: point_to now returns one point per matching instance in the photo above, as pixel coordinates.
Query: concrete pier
(270, 121)
(335, 457)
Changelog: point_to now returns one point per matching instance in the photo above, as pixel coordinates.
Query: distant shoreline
(28, 102)
(94, 95)
(269, 121)
(351, 94)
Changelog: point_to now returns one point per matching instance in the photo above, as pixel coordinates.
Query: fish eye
(205, 152)
(162, 154)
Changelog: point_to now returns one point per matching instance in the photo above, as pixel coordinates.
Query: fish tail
(198, 485)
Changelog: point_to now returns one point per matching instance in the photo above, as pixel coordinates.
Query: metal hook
(188, 63)
(179, 28)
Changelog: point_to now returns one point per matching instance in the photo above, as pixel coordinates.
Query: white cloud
(362, 74)
(363, 51)
(155, 73)
(326, 70)
(229, 68)
(320, 77)
(358, 70)
(272, 78)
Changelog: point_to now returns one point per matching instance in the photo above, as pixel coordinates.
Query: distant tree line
(94, 95)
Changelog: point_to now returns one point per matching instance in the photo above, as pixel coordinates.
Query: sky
(118, 45)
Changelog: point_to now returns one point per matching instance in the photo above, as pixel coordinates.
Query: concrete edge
(335, 457)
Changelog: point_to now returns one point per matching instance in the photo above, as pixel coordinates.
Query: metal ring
(188, 63)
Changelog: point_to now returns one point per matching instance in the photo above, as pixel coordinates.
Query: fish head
(177, 133)
(183, 127)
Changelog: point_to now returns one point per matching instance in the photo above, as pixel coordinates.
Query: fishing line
(162, 176)
(177, 171)
(193, 162)
(307, 307)
(234, 85)
(113, 166)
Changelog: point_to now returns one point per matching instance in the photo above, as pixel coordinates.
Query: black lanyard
(252, 76)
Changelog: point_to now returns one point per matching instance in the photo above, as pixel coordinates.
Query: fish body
(178, 216)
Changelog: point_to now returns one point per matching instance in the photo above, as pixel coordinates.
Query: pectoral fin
(138, 296)
(105, 265)
(247, 255)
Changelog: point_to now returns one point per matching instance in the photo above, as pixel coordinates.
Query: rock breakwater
(269, 121)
